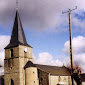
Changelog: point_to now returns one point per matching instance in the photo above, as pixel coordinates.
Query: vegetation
(76, 73)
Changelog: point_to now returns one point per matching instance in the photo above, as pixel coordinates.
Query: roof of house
(82, 77)
(29, 64)
(53, 70)
(18, 36)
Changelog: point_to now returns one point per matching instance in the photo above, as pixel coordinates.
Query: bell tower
(17, 53)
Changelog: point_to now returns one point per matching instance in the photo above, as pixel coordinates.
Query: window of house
(12, 53)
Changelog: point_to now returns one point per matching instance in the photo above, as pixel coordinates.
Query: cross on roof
(16, 4)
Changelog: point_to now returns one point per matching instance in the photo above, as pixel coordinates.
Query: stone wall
(43, 77)
(31, 76)
(19, 52)
(14, 66)
(14, 69)
(15, 52)
(23, 54)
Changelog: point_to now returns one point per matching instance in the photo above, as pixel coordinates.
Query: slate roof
(18, 36)
(29, 64)
(53, 70)
(82, 77)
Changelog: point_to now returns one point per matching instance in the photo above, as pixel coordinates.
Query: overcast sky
(46, 29)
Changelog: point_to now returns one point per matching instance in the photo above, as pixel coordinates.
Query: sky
(46, 30)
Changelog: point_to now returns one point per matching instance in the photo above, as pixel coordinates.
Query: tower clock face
(25, 50)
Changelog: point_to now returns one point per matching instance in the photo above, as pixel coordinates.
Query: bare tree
(76, 73)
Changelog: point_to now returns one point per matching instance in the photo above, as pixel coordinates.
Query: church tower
(17, 53)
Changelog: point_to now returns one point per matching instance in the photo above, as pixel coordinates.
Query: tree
(76, 73)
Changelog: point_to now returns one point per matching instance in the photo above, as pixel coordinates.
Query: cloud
(2, 71)
(78, 21)
(4, 40)
(78, 51)
(47, 59)
(79, 59)
(78, 44)
(78, 55)
(2, 56)
(40, 15)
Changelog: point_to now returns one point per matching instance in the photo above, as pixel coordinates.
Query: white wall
(65, 80)
(83, 83)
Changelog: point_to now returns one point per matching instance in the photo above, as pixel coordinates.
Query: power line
(69, 11)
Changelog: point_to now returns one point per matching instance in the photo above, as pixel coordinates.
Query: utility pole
(70, 40)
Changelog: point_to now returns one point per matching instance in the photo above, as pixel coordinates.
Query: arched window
(12, 53)
(12, 83)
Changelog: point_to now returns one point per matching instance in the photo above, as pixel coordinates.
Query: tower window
(12, 83)
(10, 67)
(12, 53)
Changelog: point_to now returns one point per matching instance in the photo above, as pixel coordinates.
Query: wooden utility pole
(70, 40)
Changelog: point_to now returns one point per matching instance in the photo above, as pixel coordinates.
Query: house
(82, 78)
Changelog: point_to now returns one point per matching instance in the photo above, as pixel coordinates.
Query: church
(19, 68)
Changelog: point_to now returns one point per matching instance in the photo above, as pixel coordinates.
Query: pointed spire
(18, 36)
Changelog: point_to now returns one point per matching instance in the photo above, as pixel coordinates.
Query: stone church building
(19, 68)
